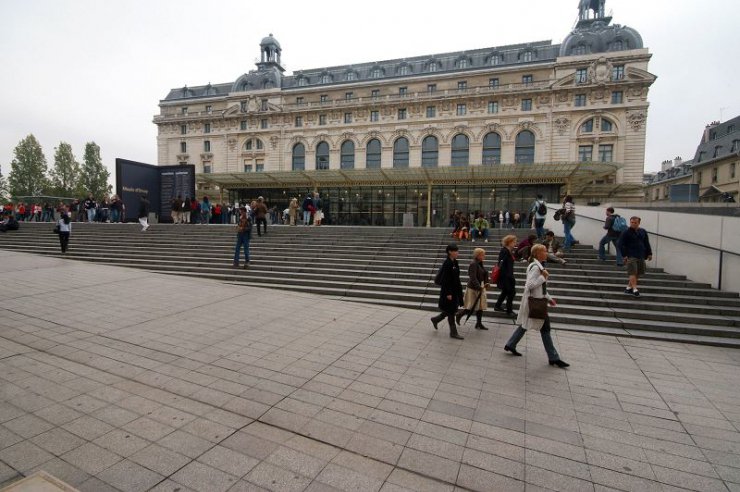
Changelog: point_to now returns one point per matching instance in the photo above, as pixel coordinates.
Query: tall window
(580, 100)
(322, 119)
(526, 105)
(527, 79)
(581, 75)
(207, 146)
(491, 149)
(348, 117)
(524, 151)
(263, 105)
(298, 121)
(492, 107)
(585, 153)
(431, 88)
(375, 93)
(322, 155)
(460, 150)
(374, 116)
(183, 129)
(462, 110)
(496, 60)
(263, 123)
(462, 85)
(618, 72)
(431, 111)
(462, 63)
(347, 160)
(429, 151)
(207, 128)
(299, 157)
(243, 125)
(372, 154)
(401, 152)
(183, 147)
(732, 170)
(403, 91)
(617, 97)
(403, 70)
(606, 125)
(715, 175)
(432, 67)
(717, 150)
(606, 153)
(493, 83)
(402, 114)
(527, 56)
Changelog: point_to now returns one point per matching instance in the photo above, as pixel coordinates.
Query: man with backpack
(614, 224)
(539, 212)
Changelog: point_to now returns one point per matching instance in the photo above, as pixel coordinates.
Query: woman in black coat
(506, 281)
(451, 293)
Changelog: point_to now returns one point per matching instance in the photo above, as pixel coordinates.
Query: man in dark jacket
(451, 293)
(611, 236)
(635, 248)
(306, 206)
(144, 213)
(9, 223)
(260, 215)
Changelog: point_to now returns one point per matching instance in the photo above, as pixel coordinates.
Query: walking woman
(475, 299)
(536, 288)
(65, 229)
(450, 293)
(506, 281)
(569, 221)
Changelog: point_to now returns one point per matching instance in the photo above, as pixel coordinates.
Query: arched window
(260, 145)
(299, 157)
(372, 154)
(401, 152)
(429, 151)
(606, 125)
(491, 149)
(347, 160)
(587, 126)
(322, 155)
(524, 152)
(460, 150)
(249, 145)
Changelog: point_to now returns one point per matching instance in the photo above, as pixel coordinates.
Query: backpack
(438, 277)
(542, 209)
(619, 224)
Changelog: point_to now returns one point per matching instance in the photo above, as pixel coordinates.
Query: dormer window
(350, 76)
(717, 150)
(581, 49)
(496, 59)
(617, 45)
(404, 70)
(302, 81)
(376, 73)
(433, 66)
(463, 63)
(527, 56)
(326, 78)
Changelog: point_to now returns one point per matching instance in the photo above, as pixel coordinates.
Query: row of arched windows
(460, 152)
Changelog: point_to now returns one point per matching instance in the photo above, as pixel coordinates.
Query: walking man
(614, 225)
(144, 213)
(243, 235)
(634, 246)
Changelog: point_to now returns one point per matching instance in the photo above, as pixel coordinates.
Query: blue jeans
(115, 215)
(569, 239)
(539, 225)
(552, 353)
(602, 248)
(242, 239)
(475, 233)
(306, 217)
(91, 215)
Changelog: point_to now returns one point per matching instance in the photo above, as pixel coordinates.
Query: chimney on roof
(666, 165)
(677, 161)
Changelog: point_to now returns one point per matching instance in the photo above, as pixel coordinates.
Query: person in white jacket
(535, 287)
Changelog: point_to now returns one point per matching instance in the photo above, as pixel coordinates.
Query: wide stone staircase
(396, 267)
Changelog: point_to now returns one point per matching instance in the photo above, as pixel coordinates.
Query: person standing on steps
(539, 212)
(635, 248)
(612, 235)
(475, 299)
(144, 213)
(569, 221)
(243, 235)
(293, 210)
(450, 293)
(506, 281)
(65, 229)
(260, 215)
(536, 287)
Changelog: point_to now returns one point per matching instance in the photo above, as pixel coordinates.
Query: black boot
(460, 313)
(437, 319)
(453, 328)
(479, 321)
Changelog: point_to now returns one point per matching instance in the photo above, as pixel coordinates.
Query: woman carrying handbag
(533, 308)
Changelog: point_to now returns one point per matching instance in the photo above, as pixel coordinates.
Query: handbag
(495, 274)
(538, 307)
(56, 229)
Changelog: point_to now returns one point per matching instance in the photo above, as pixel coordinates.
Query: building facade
(712, 174)
(474, 130)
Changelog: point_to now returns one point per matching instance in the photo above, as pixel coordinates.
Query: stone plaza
(122, 379)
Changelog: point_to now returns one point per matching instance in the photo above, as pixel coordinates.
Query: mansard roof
(719, 142)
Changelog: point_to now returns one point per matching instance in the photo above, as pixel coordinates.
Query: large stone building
(481, 129)
(711, 176)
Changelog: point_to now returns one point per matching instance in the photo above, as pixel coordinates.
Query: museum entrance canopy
(572, 174)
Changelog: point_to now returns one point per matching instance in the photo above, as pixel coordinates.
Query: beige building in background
(535, 117)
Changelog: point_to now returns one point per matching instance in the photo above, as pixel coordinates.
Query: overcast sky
(94, 70)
